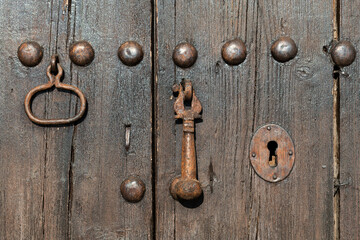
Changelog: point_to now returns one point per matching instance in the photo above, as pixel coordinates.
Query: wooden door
(237, 100)
(63, 182)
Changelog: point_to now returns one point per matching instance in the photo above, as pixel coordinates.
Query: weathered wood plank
(236, 101)
(118, 96)
(33, 188)
(349, 127)
(63, 182)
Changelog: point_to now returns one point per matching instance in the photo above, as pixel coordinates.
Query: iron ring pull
(54, 80)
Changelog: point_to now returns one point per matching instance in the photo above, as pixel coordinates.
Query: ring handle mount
(54, 80)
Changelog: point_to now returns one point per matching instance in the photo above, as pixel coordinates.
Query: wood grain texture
(349, 127)
(63, 182)
(23, 145)
(236, 101)
(118, 96)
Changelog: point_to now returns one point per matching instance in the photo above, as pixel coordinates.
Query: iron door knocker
(186, 186)
(54, 80)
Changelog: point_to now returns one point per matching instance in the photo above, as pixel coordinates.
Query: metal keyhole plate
(260, 154)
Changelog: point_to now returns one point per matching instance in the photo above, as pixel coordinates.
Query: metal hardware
(343, 53)
(133, 189)
(54, 80)
(127, 137)
(234, 52)
(81, 53)
(186, 186)
(184, 55)
(284, 49)
(30, 54)
(272, 153)
(53, 63)
(130, 53)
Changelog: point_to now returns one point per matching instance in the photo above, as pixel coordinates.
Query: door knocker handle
(187, 187)
(54, 80)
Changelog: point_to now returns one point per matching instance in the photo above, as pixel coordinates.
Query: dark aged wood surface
(22, 144)
(350, 128)
(297, 95)
(118, 96)
(63, 182)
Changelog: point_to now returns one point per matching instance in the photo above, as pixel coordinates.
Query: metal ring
(53, 63)
(54, 80)
(188, 90)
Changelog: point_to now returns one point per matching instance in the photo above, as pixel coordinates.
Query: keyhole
(272, 146)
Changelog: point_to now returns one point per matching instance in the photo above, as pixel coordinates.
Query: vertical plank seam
(72, 147)
(251, 194)
(154, 55)
(70, 182)
(46, 133)
(174, 124)
(43, 187)
(336, 127)
(256, 70)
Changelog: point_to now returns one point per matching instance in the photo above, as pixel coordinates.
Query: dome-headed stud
(284, 49)
(30, 53)
(234, 52)
(132, 189)
(185, 55)
(130, 53)
(343, 53)
(81, 53)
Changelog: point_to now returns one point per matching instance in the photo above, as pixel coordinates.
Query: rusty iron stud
(234, 52)
(187, 187)
(30, 53)
(284, 49)
(81, 53)
(343, 53)
(130, 53)
(260, 146)
(185, 55)
(132, 189)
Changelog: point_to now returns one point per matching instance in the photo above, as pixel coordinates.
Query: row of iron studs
(284, 49)
(185, 54)
(81, 53)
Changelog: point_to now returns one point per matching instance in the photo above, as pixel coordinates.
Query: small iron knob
(132, 189)
(343, 53)
(234, 52)
(185, 55)
(284, 49)
(130, 53)
(30, 53)
(81, 53)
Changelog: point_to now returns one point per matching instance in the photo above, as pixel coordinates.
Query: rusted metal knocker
(54, 80)
(187, 187)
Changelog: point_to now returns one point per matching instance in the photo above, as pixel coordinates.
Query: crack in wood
(336, 127)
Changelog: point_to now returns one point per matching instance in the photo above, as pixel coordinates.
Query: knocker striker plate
(54, 80)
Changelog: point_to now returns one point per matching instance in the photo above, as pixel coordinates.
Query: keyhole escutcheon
(272, 153)
(272, 146)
